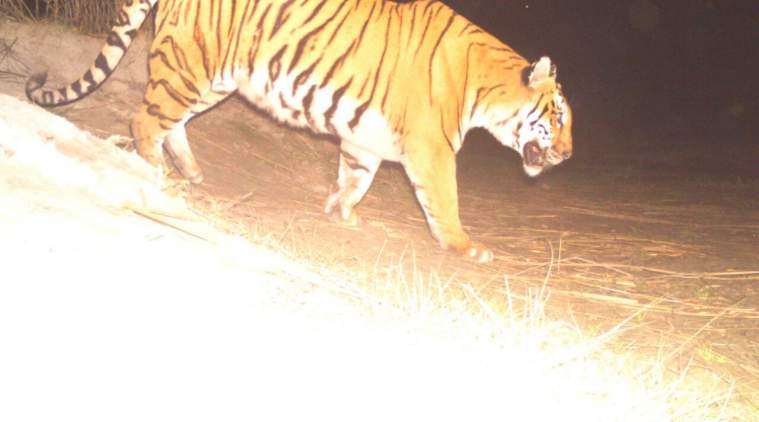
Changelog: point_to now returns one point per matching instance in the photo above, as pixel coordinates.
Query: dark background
(675, 78)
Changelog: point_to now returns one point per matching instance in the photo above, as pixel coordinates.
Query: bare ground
(609, 235)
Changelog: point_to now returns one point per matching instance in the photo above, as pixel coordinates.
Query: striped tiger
(392, 81)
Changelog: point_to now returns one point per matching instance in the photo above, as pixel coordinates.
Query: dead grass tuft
(94, 16)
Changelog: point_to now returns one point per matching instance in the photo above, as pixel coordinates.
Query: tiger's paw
(195, 179)
(193, 174)
(476, 252)
(352, 219)
(187, 168)
(339, 214)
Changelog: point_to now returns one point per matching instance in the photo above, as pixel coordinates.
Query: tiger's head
(537, 123)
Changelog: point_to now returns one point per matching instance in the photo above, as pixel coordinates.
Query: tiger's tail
(130, 19)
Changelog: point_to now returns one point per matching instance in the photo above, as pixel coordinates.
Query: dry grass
(680, 369)
(87, 15)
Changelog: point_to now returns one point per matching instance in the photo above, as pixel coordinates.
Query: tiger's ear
(541, 71)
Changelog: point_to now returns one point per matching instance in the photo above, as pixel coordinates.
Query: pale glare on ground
(106, 315)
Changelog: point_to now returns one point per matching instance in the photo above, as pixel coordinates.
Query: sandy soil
(609, 238)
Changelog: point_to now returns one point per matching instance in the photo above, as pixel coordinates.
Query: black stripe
(440, 38)
(395, 65)
(77, 87)
(283, 103)
(506, 120)
(357, 115)
(537, 104)
(257, 37)
(87, 77)
(218, 25)
(115, 41)
(413, 22)
(307, 104)
(155, 110)
(333, 107)
(102, 63)
(424, 33)
(164, 59)
(304, 40)
(189, 84)
(353, 163)
(185, 101)
(445, 135)
(275, 65)
(200, 42)
(280, 19)
(303, 77)
(363, 28)
(336, 64)
(315, 11)
(232, 18)
(338, 27)
(362, 109)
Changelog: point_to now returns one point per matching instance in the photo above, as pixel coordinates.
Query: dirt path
(610, 240)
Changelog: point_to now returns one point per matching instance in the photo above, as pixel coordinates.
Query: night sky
(660, 74)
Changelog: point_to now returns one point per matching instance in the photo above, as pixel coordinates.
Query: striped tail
(130, 18)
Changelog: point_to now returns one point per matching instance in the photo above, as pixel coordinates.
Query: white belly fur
(371, 134)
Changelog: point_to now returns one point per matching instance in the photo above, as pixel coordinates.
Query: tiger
(391, 81)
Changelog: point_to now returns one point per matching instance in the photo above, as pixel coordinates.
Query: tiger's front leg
(354, 176)
(432, 171)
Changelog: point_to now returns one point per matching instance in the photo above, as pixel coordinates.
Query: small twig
(165, 219)
(237, 201)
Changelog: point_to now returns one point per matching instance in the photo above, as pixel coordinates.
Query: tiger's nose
(566, 154)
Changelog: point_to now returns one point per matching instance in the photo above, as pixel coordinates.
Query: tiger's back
(393, 81)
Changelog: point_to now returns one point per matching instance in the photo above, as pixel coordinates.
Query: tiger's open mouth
(537, 160)
(532, 154)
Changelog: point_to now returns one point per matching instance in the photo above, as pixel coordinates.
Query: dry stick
(237, 201)
(164, 213)
(158, 218)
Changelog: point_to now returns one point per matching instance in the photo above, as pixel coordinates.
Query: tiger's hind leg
(168, 105)
(178, 146)
(354, 176)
